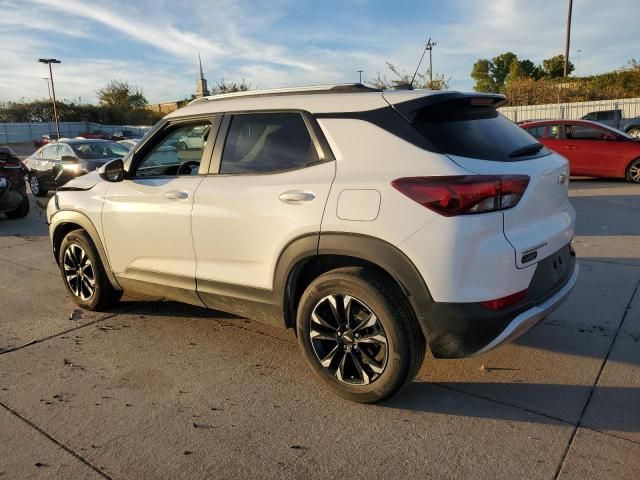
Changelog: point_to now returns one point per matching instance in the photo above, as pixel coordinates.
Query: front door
(272, 179)
(591, 148)
(147, 217)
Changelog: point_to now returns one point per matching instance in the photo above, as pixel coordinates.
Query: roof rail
(314, 89)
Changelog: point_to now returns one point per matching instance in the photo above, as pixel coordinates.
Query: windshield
(475, 131)
(98, 150)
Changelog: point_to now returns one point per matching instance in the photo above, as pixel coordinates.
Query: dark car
(615, 119)
(14, 202)
(58, 162)
(593, 149)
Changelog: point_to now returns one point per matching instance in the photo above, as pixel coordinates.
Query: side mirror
(112, 171)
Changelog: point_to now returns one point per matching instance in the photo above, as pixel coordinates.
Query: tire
(633, 171)
(99, 296)
(362, 371)
(634, 132)
(22, 210)
(181, 146)
(36, 187)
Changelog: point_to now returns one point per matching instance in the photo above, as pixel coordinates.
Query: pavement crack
(593, 388)
(57, 442)
(69, 330)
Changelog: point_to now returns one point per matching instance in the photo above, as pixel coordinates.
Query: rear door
(269, 182)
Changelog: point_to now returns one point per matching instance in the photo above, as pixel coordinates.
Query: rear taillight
(464, 195)
(504, 302)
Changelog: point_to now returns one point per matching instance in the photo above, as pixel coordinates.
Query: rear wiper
(526, 150)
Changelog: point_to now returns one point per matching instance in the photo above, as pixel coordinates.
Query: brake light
(504, 302)
(464, 195)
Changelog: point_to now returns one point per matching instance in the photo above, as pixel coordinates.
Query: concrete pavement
(163, 390)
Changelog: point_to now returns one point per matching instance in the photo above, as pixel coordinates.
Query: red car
(593, 149)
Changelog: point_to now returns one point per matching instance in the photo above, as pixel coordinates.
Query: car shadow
(423, 397)
(34, 225)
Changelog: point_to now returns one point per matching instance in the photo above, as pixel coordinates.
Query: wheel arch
(65, 221)
(308, 257)
(628, 166)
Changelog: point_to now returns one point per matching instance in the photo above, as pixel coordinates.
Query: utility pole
(567, 41)
(360, 72)
(49, 61)
(430, 46)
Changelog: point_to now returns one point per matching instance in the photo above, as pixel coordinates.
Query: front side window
(267, 143)
(536, 132)
(582, 132)
(65, 151)
(178, 153)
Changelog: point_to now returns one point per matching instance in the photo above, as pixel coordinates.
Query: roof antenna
(428, 46)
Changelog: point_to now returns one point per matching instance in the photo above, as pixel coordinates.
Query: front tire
(633, 171)
(83, 273)
(22, 210)
(36, 186)
(359, 334)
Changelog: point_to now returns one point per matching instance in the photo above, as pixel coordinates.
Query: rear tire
(36, 186)
(634, 132)
(83, 273)
(359, 334)
(22, 210)
(633, 171)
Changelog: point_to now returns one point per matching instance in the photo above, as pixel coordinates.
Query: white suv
(372, 223)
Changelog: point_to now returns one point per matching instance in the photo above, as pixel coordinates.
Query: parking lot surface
(156, 389)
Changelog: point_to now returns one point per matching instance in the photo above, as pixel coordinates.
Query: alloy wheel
(634, 172)
(348, 339)
(78, 272)
(34, 183)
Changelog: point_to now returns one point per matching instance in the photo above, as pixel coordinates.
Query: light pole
(567, 41)
(579, 51)
(360, 72)
(49, 61)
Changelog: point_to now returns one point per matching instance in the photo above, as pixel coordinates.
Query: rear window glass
(475, 131)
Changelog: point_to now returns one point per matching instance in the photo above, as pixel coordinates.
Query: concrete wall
(28, 132)
(630, 108)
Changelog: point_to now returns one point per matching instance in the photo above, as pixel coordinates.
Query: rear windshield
(475, 131)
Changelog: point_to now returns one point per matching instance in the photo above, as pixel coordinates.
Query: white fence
(28, 132)
(630, 108)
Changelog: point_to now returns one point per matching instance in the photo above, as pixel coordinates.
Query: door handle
(176, 195)
(296, 197)
(570, 147)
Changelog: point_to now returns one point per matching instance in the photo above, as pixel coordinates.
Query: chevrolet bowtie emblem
(562, 179)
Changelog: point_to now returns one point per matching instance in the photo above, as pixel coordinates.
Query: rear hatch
(469, 130)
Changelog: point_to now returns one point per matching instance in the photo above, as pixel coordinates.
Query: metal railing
(28, 132)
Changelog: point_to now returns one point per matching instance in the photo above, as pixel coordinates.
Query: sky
(277, 43)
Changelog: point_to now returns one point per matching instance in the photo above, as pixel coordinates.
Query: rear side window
(474, 131)
(267, 143)
(536, 132)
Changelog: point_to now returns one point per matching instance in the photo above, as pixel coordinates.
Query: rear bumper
(533, 316)
(457, 330)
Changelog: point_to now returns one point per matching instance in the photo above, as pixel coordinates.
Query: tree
(554, 67)
(121, 95)
(500, 66)
(516, 72)
(422, 80)
(531, 69)
(231, 87)
(481, 73)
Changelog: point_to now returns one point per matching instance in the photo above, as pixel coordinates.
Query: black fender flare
(364, 247)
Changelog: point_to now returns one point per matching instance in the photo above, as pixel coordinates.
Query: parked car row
(93, 135)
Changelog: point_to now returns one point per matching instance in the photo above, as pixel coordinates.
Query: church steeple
(201, 84)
